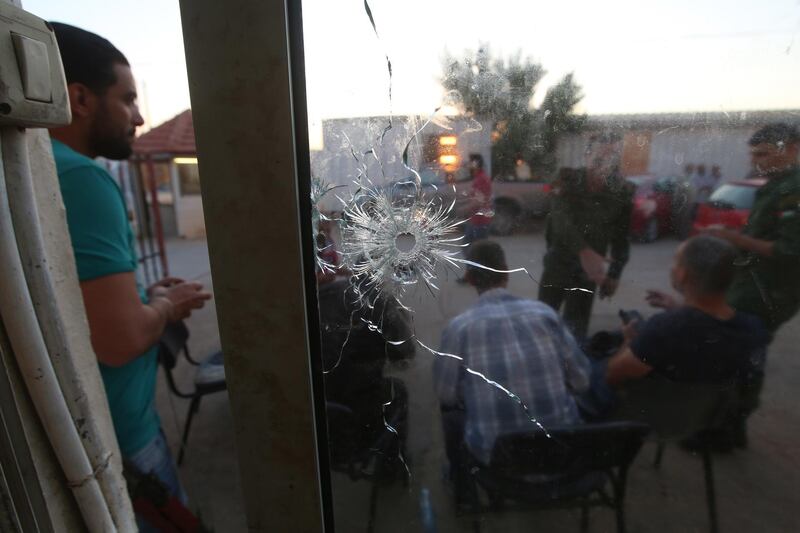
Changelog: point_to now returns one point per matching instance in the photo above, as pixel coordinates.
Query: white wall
(188, 209)
(672, 149)
(570, 151)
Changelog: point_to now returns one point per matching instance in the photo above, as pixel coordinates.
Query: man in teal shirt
(125, 320)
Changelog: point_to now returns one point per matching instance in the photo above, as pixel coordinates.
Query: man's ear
(82, 100)
(793, 150)
(681, 277)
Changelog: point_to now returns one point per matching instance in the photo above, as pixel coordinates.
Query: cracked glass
(551, 243)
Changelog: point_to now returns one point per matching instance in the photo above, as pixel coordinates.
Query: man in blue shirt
(701, 339)
(125, 319)
(507, 365)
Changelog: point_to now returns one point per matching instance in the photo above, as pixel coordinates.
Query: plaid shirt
(525, 348)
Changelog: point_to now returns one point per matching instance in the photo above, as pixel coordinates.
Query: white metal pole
(30, 240)
(19, 318)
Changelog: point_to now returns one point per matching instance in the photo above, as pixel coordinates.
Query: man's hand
(608, 287)
(629, 331)
(185, 297)
(660, 299)
(159, 288)
(121, 326)
(593, 264)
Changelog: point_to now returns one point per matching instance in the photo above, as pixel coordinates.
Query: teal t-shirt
(104, 244)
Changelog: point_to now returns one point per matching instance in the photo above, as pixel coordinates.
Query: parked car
(729, 206)
(513, 200)
(446, 188)
(660, 206)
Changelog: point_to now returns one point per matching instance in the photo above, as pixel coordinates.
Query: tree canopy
(501, 91)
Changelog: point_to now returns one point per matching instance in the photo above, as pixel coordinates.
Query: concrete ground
(757, 488)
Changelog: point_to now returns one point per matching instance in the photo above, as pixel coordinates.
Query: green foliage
(502, 91)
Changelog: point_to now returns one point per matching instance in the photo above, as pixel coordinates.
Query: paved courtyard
(757, 488)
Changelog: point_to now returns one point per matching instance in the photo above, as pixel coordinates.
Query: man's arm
(744, 242)
(625, 366)
(786, 247)
(121, 326)
(620, 244)
(565, 233)
(619, 248)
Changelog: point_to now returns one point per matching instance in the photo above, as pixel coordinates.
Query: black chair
(569, 467)
(676, 411)
(375, 452)
(209, 377)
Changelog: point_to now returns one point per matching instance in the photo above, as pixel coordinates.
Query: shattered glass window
(544, 302)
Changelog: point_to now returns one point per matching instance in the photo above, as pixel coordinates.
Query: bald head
(704, 265)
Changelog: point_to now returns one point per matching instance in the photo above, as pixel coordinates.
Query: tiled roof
(175, 136)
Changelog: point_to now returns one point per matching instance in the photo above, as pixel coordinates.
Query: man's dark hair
(477, 159)
(489, 254)
(777, 133)
(710, 263)
(88, 58)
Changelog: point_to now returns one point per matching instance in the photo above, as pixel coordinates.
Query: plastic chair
(676, 411)
(570, 468)
(209, 377)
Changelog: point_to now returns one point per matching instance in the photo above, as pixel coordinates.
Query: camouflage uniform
(768, 287)
(581, 218)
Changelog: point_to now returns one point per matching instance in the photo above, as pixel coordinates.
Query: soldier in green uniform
(587, 228)
(767, 283)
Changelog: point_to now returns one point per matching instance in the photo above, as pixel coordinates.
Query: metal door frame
(247, 85)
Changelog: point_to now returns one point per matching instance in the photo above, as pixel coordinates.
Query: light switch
(34, 68)
(33, 90)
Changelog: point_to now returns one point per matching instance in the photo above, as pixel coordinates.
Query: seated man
(521, 345)
(702, 339)
(355, 356)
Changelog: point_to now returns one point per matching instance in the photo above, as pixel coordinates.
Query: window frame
(249, 109)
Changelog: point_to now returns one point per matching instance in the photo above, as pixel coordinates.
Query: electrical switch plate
(33, 91)
(34, 68)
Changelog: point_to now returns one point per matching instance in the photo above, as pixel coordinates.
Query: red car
(657, 206)
(729, 206)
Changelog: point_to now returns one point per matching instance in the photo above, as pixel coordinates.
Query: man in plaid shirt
(502, 347)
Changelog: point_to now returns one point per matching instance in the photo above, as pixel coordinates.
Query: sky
(629, 56)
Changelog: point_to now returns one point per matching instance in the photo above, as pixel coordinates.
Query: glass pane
(734, 196)
(189, 178)
(162, 182)
(527, 283)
